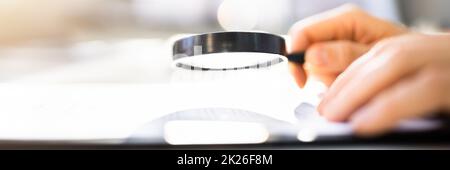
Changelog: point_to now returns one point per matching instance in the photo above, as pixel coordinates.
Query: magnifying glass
(232, 51)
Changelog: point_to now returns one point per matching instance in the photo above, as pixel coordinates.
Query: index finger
(335, 24)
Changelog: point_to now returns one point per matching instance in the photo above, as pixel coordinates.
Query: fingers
(340, 82)
(416, 96)
(364, 83)
(385, 65)
(327, 60)
(347, 22)
(333, 56)
(318, 28)
(326, 26)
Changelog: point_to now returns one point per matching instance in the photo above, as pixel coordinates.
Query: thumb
(333, 56)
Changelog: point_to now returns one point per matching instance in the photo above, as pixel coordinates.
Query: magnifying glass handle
(298, 57)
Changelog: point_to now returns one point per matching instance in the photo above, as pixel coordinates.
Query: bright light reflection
(306, 135)
(238, 15)
(185, 132)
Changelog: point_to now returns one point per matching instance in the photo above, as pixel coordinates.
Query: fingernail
(322, 103)
(320, 107)
(329, 112)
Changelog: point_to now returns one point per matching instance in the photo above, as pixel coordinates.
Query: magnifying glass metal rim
(229, 42)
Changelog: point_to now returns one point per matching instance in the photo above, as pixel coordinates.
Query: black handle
(298, 57)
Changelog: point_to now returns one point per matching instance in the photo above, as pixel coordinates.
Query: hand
(399, 78)
(334, 39)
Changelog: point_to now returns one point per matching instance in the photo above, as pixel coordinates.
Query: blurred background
(123, 40)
